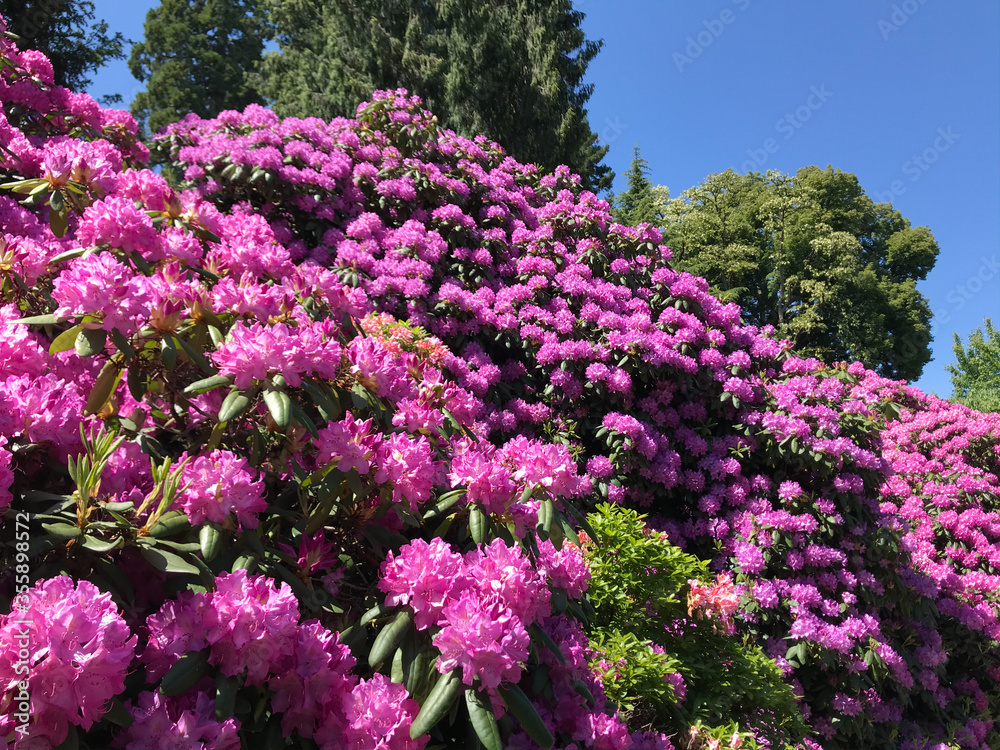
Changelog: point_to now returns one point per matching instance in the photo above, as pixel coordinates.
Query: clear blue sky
(905, 94)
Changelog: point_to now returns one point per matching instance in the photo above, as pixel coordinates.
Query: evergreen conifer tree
(195, 58)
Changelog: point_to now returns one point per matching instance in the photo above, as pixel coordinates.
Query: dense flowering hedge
(297, 450)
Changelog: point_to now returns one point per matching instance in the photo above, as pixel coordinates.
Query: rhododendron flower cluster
(75, 649)
(481, 603)
(716, 602)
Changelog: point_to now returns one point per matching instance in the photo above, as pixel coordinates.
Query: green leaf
(122, 343)
(61, 530)
(208, 384)
(523, 710)
(540, 636)
(70, 254)
(233, 405)
(90, 341)
(59, 222)
(279, 405)
(185, 673)
(320, 514)
(483, 720)
(445, 502)
(39, 320)
(546, 509)
(168, 351)
(167, 562)
(477, 524)
(225, 695)
(438, 703)
(104, 386)
(136, 383)
(170, 523)
(195, 355)
(56, 202)
(101, 546)
(387, 640)
(65, 340)
(377, 611)
(210, 539)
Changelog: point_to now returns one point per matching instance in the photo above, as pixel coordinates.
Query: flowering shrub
(311, 431)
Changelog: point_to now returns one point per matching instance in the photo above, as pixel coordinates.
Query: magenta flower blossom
(219, 484)
(423, 575)
(378, 715)
(350, 443)
(79, 651)
(257, 352)
(101, 286)
(186, 721)
(483, 642)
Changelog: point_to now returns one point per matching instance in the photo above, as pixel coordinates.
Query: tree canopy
(815, 257)
(195, 58)
(511, 70)
(642, 202)
(66, 32)
(976, 374)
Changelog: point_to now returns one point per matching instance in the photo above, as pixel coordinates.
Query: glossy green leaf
(524, 711)
(389, 638)
(90, 341)
(210, 541)
(280, 407)
(437, 704)
(483, 720)
(233, 405)
(226, 689)
(167, 562)
(208, 384)
(104, 386)
(65, 340)
(185, 673)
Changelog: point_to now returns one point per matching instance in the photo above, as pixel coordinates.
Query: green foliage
(976, 375)
(512, 70)
(816, 258)
(641, 202)
(639, 587)
(65, 31)
(195, 58)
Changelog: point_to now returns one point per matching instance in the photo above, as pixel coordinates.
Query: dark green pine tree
(195, 58)
(641, 202)
(66, 32)
(512, 69)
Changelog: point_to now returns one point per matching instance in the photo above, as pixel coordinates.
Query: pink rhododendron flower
(186, 721)
(79, 651)
(221, 483)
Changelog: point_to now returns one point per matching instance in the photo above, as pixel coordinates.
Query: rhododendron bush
(297, 452)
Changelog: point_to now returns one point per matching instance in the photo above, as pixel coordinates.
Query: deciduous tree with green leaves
(814, 256)
(195, 58)
(976, 374)
(512, 69)
(65, 30)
